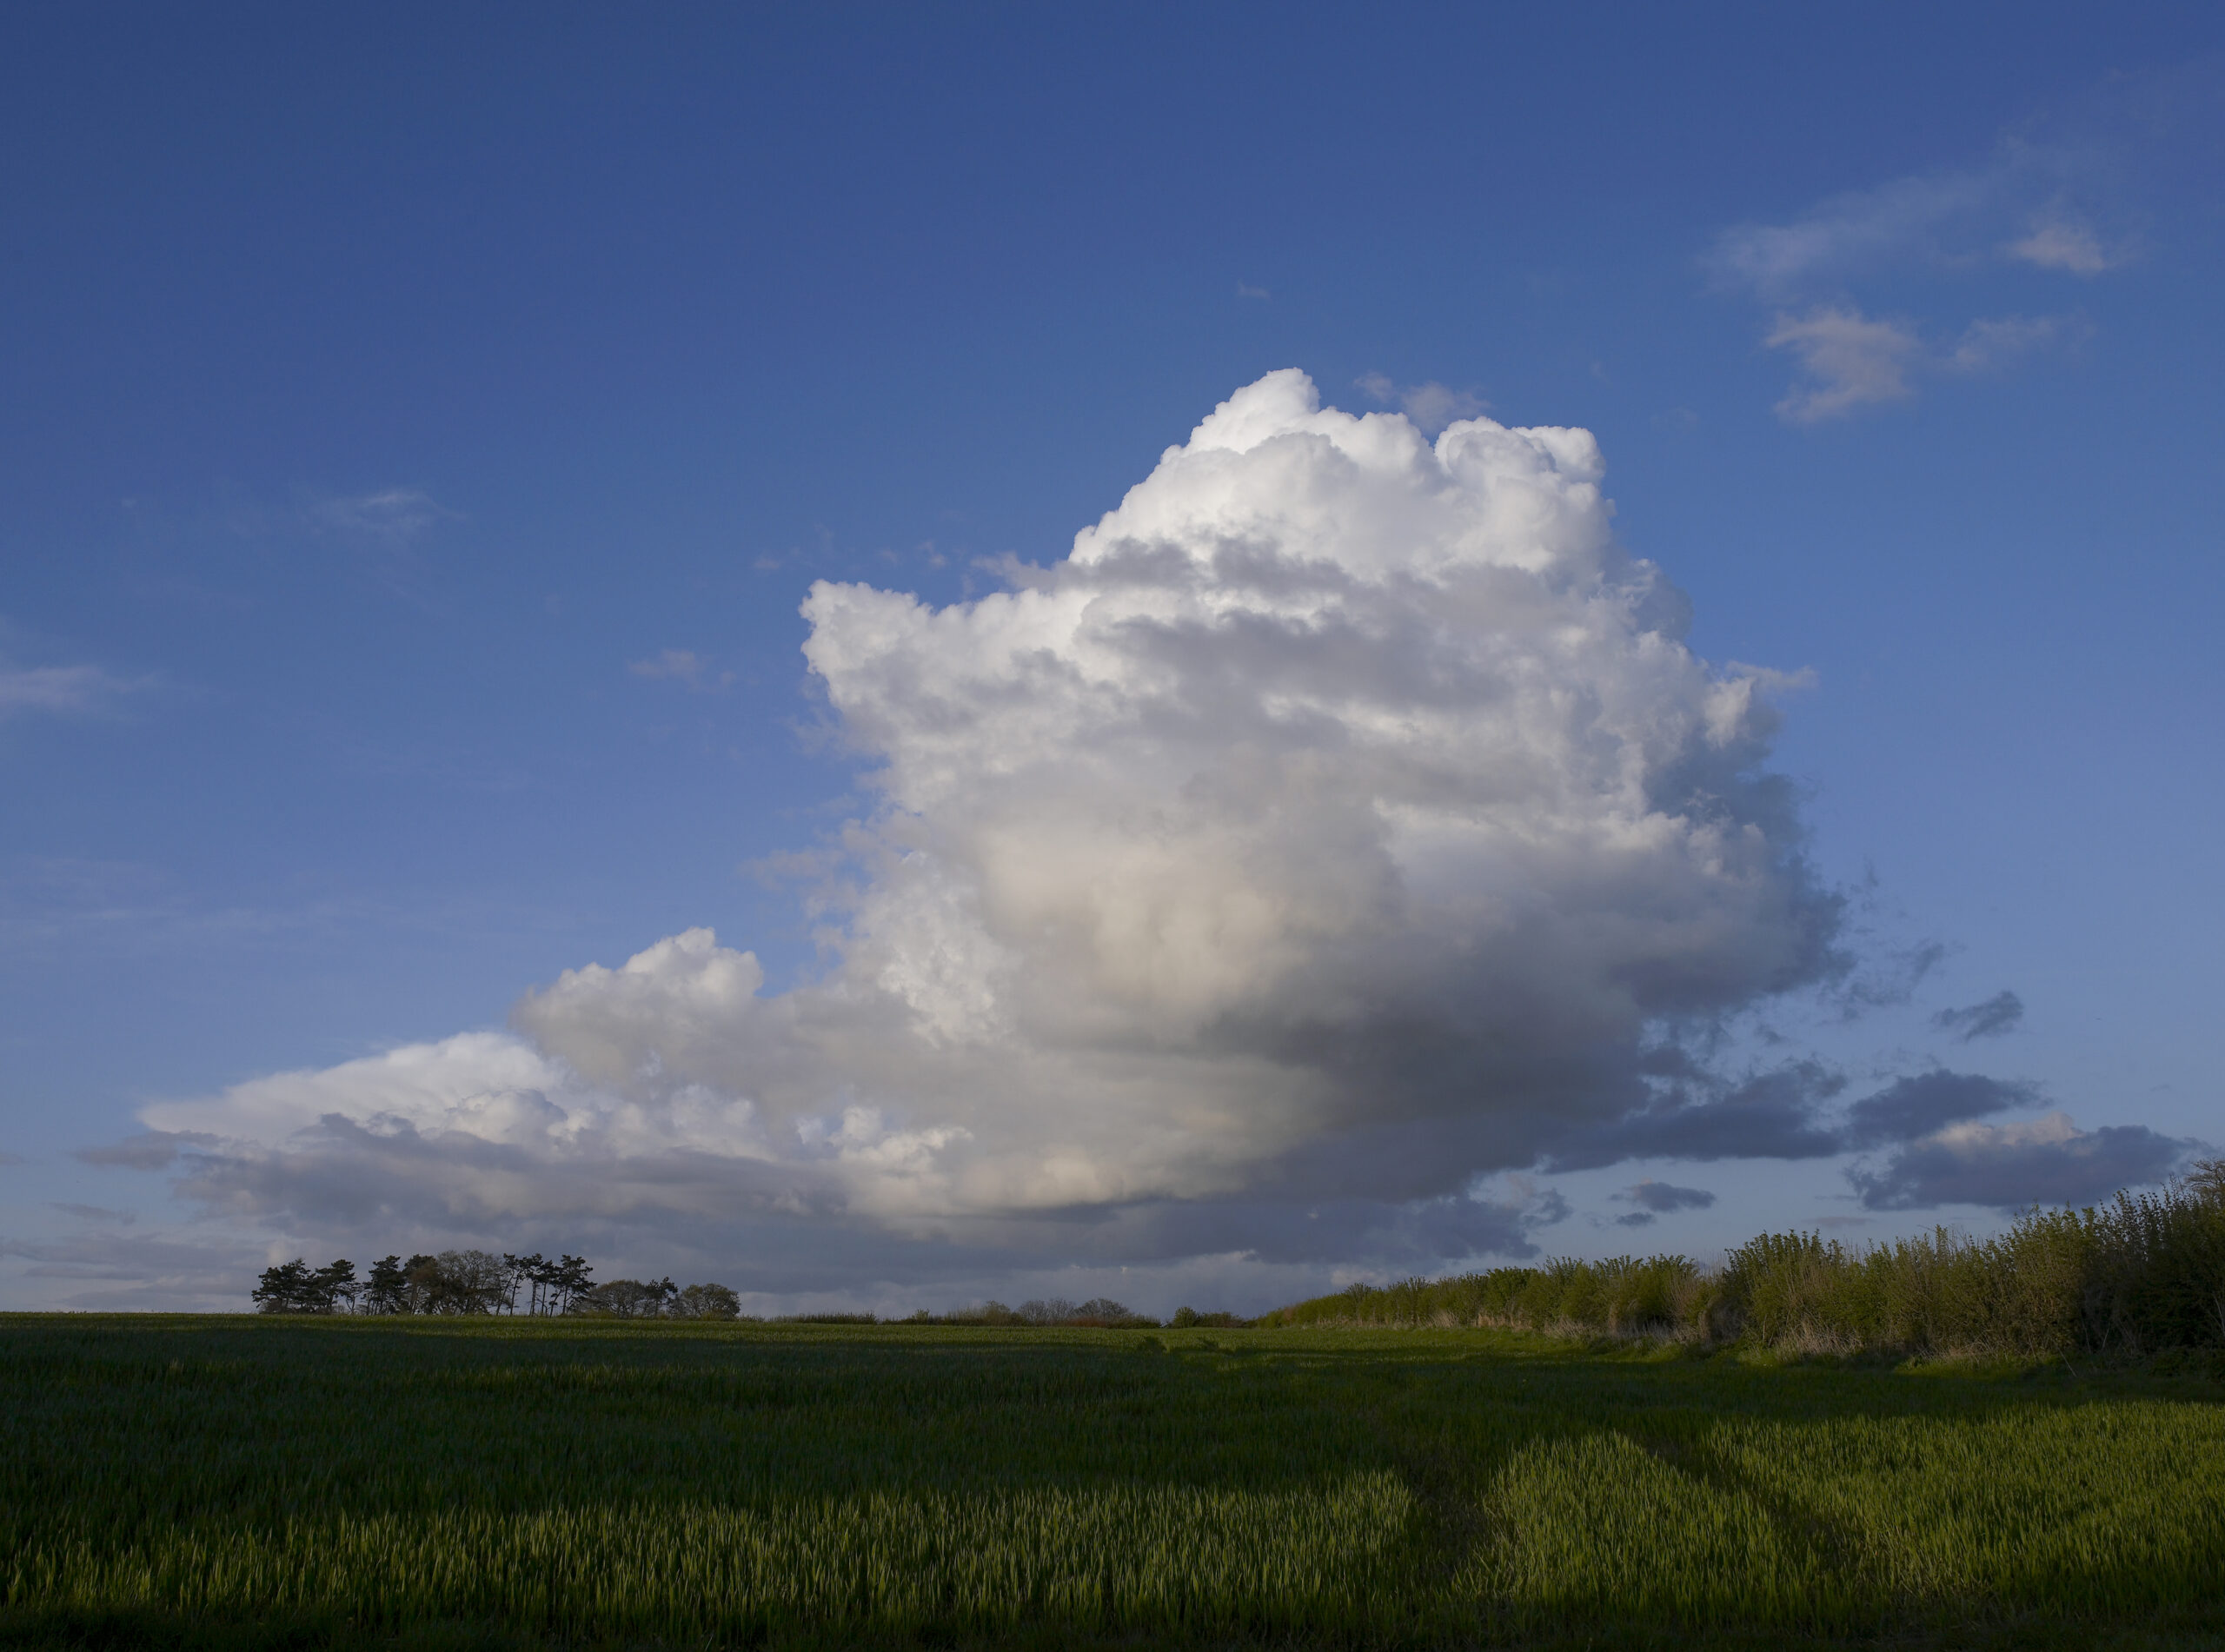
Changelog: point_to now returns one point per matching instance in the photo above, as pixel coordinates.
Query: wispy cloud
(2062, 244)
(2001, 1013)
(389, 515)
(1849, 360)
(151, 1150)
(96, 1213)
(2029, 201)
(681, 666)
(1997, 342)
(110, 1268)
(2051, 199)
(62, 690)
(1849, 235)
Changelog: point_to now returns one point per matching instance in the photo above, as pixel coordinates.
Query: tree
(454, 1282)
(387, 1291)
(290, 1287)
(624, 1299)
(337, 1287)
(568, 1280)
(706, 1302)
(475, 1282)
(527, 1271)
(422, 1287)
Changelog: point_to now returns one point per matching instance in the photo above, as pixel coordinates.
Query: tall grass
(2141, 1274)
(300, 1482)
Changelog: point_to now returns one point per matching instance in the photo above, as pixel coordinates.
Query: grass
(297, 1482)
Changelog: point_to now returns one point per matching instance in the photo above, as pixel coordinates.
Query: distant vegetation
(480, 1282)
(1099, 1312)
(2142, 1274)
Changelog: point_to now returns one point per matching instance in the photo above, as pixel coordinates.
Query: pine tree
(287, 1289)
(387, 1290)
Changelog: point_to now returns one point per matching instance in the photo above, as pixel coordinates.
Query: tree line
(2142, 1276)
(483, 1282)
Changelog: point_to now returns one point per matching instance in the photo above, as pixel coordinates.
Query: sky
(896, 656)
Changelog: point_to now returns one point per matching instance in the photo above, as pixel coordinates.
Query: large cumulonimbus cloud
(1343, 818)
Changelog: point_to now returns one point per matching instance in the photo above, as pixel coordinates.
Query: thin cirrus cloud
(391, 516)
(1849, 360)
(1341, 829)
(2034, 202)
(2058, 243)
(682, 665)
(61, 690)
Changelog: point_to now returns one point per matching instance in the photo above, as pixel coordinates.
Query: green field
(300, 1482)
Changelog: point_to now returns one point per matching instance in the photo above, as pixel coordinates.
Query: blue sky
(422, 434)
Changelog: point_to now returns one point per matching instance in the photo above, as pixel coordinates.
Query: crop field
(353, 1482)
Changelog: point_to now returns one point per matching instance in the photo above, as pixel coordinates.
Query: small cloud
(1863, 229)
(1635, 1219)
(1991, 343)
(1662, 1196)
(1432, 406)
(1245, 290)
(152, 1149)
(93, 1213)
(1888, 979)
(391, 515)
(2059, 243)
(681, 666)
(60, 690)
(1919, 1105)
(2000, 1014)
(2045, 1161)
(1851, 361)
(1770, 1115)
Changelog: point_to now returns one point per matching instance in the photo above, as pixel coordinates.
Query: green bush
(2141, 1274)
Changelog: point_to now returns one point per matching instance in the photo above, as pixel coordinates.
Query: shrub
(2139, 1275)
